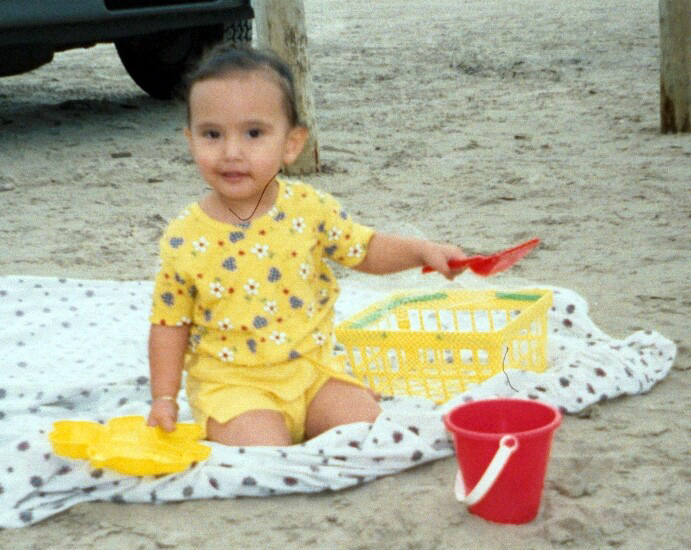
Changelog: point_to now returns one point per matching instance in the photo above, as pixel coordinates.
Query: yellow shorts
(223, 402)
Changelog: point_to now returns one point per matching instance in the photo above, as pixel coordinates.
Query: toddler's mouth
(234, 176)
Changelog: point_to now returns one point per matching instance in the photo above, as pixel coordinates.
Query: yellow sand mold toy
(128, 446)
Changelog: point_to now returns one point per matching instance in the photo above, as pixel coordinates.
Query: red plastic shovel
(489, 265)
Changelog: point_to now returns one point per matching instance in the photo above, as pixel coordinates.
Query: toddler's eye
(212, 134)
(254, 133)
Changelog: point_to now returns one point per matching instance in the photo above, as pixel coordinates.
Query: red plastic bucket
(502, 447)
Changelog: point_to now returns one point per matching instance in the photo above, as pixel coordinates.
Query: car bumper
(69, 22)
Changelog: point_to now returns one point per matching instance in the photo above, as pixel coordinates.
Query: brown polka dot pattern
(44, 380)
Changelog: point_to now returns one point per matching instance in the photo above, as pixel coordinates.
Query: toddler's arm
(167, 346)
(392, 253)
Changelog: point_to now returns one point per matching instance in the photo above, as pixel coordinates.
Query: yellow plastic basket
(438, 344)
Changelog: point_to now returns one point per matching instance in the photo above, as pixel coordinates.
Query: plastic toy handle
(453, 264)
(508, 445)
(489, 265)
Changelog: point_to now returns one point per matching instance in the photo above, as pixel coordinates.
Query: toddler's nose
(232, 148)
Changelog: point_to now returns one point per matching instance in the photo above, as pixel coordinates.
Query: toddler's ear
(297, 137)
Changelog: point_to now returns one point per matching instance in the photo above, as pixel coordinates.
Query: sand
(474, 122)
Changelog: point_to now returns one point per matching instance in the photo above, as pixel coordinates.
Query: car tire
(158, 62)
(239, 33)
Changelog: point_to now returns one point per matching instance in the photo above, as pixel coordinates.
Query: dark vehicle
(155, 39)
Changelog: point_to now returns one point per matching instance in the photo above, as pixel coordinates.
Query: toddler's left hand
(437, 256)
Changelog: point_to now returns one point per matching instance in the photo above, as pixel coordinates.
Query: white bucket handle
(507, 446)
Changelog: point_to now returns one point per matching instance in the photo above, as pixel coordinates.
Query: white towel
(76, 349)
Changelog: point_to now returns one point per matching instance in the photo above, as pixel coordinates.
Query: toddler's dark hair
(223, 60)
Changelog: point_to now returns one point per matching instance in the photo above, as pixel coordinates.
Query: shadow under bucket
(502, 447)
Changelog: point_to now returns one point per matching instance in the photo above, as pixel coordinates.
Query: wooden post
(675, 65)
(280, 27)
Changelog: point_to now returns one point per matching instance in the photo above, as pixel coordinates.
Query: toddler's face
(239, 135)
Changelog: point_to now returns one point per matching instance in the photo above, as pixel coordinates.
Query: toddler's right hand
(163, 413)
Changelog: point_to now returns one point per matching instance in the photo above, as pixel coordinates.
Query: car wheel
(239, 33)
(157, 62)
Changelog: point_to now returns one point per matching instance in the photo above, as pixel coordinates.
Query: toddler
(244, 301)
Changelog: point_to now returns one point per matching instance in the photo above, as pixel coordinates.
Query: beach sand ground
(475, 122)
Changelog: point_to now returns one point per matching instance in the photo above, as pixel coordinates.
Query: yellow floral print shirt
(259, 293)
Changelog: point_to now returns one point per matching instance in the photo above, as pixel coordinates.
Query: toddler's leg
(338, 402)
(259, 427)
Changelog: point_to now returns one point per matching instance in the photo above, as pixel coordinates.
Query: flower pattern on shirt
(261, 250)
(299, 225)
(225, 324)
(304, 270)
(226, 355)
(201, 244)
(251, 287)
(217, 289)
(271, 307)
(278, 337)
(261, 292)
(356, 251)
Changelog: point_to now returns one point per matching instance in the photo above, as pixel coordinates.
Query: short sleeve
(346, 240)
(174, 292)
